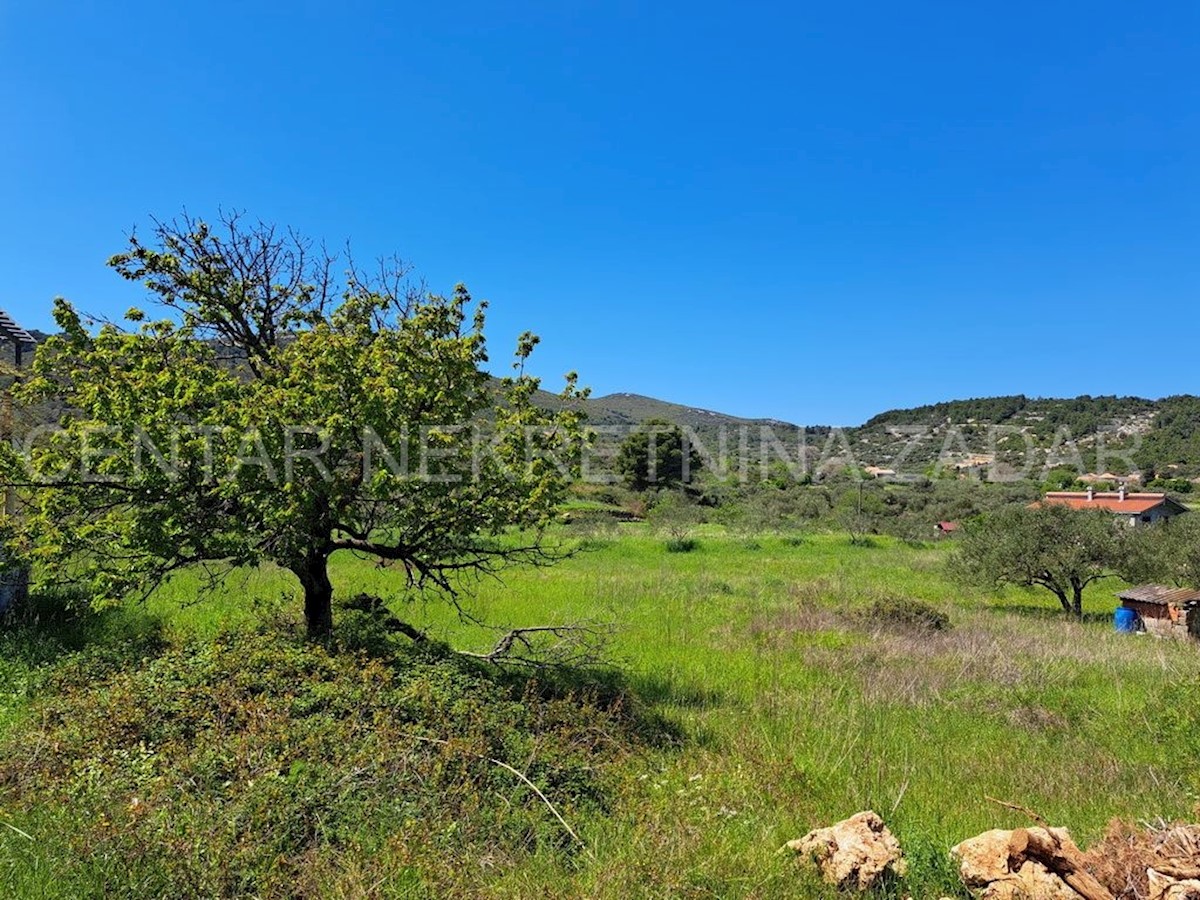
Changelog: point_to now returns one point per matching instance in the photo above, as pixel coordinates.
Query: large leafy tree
(277, 414)
(657, 454)
(1048, 546)
(1168, 552)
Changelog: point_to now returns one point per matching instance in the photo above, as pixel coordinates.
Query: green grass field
(794, 707)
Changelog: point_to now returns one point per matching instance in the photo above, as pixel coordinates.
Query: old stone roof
(1161, 595)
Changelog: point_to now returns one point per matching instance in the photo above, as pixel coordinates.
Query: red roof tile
(1132, 504)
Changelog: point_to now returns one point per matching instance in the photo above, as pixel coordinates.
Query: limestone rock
(989, 869)
(854, 853)
(1164, 887)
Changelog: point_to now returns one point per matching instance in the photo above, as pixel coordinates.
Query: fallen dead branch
(531, 646)
(1044, 846)
(1024, 810)
(1123, 857)
(569, 645)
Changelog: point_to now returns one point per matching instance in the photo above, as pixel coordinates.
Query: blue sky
(810, 212)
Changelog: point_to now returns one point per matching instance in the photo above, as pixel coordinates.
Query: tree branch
(573, 645)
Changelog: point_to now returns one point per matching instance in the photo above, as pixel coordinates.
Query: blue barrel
(1126, 620)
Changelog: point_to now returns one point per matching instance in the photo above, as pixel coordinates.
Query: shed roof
(1161, 595)
(12, 331)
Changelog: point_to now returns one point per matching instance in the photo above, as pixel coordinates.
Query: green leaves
(658, 454)
(274, 416)
(1048, 546)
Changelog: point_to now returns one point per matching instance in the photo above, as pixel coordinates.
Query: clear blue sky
(807, 211)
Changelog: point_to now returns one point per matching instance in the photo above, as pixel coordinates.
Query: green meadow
(789, 688)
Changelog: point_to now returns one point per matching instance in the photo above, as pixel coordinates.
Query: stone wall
(1168, 621)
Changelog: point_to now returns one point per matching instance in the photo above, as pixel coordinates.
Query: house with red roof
(1138, 508)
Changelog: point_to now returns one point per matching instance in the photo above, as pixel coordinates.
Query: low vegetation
(257, 763)
(770, 687)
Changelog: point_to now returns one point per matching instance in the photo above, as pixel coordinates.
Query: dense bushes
(259, 764)
(891, 611)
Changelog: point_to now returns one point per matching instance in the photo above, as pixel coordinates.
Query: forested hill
(1161, 437)
(1042, 415)
(623, 409)
(1174, 439)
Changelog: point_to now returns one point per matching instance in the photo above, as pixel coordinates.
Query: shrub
(258, 763)
(681, 544)
(903, 612)
(49, 609)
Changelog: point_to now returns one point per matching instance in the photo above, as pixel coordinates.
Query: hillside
(624, 409)
(1118, 435)
(737, 441)
(1101, 434)
(1043, 416)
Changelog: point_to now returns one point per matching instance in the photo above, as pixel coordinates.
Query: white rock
(988, 869)
(1164, 887)
(856, 852)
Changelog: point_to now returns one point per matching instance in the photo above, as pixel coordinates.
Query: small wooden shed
(1165, 611)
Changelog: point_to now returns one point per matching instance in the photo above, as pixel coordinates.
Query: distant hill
(624, 409)
(734, 440)
(1108, 433)
(1116, 434)
(1041, 415)
(1172, 444)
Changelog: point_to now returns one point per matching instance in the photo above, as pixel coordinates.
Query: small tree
(1048, 546)
(657, 454)
(766, 509)
(279, 416)
(1061, 478)
(674, 516)
(860, 512)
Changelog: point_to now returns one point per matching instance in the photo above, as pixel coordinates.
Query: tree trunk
(313, 573)
(1077, 600)
(1062, 598)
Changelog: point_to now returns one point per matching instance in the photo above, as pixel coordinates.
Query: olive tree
(860, 513)
(1168, 552)
(1049, 546)
(274, 413)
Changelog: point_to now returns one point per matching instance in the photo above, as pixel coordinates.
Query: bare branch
(571, 645)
